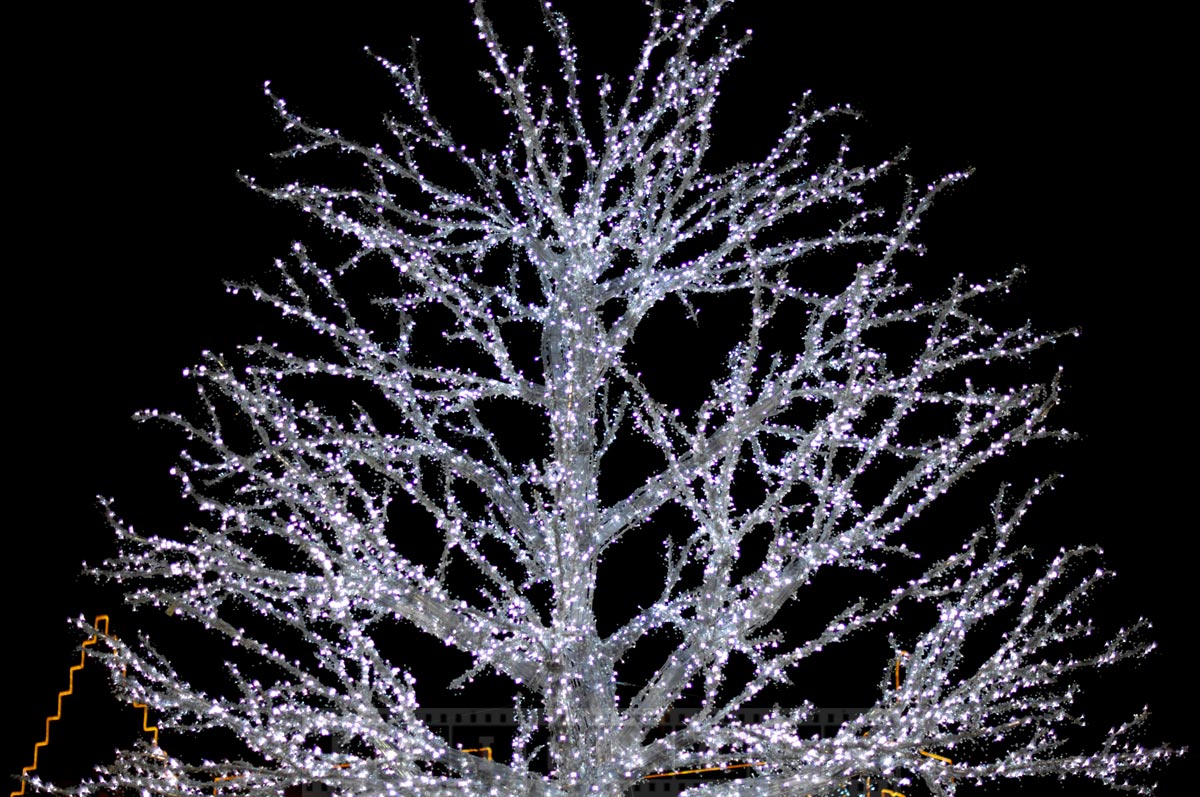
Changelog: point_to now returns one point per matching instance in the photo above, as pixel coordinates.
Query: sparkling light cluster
(822, 438)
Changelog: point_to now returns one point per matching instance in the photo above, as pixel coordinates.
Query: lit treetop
(822, 438)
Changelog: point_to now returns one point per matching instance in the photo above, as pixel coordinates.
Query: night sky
(128, 135)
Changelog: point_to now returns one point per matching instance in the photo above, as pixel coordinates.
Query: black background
(126, 217)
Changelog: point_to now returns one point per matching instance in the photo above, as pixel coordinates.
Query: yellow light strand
(706, 769)
(70, 690)
(101, 625)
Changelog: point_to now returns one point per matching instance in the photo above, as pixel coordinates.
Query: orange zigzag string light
(101, 625)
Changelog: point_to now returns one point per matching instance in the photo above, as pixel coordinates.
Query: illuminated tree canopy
(479, 374)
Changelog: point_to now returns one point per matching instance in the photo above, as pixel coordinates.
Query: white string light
(585, 223)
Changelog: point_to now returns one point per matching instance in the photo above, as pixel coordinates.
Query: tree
(833, 421)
